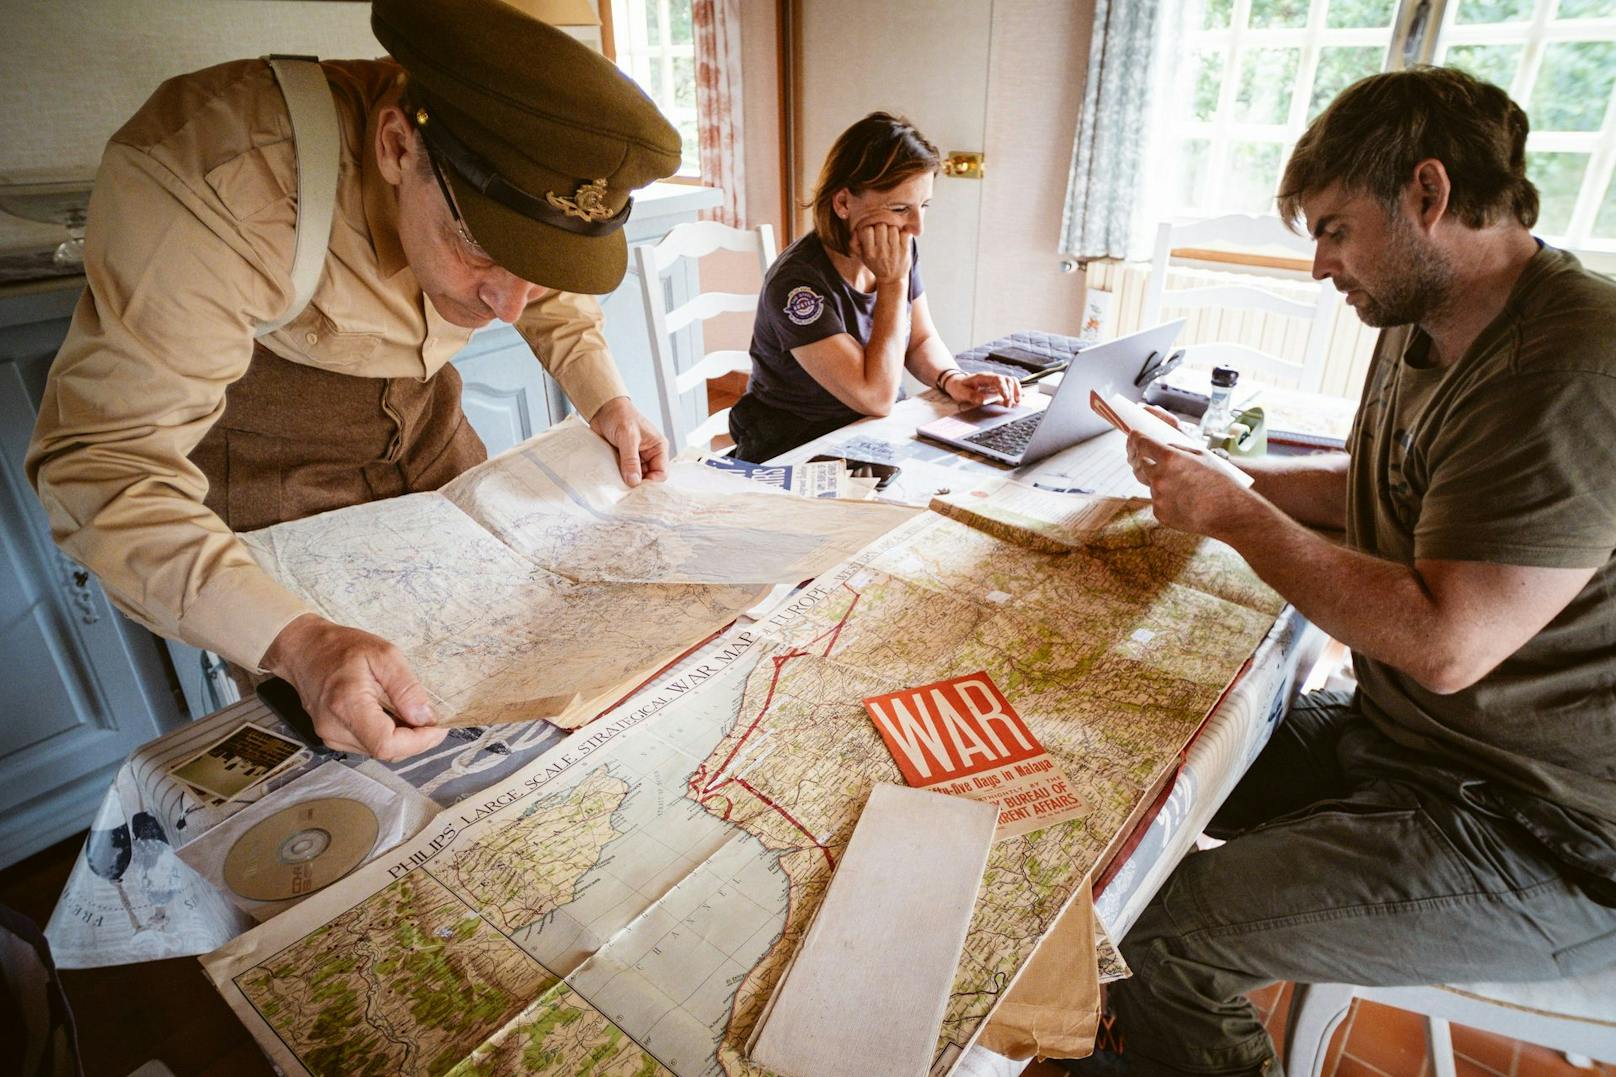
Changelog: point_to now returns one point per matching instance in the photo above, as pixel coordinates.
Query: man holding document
(1453, 820)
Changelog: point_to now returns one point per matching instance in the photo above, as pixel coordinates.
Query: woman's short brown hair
(876, 154)
(1378, 129)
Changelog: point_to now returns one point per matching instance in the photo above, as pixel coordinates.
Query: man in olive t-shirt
(1454, 820)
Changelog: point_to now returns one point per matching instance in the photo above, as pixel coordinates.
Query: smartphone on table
(883, 474)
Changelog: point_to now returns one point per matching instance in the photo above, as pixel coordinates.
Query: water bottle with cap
(1215, 422)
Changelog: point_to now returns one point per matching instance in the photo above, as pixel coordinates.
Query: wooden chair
(652, 261)
(1576, 1016)
(1243, 292)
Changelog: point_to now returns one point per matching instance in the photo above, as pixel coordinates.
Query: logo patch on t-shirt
(804, 305)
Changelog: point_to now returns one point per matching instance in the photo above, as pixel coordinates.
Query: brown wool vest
(296, 440)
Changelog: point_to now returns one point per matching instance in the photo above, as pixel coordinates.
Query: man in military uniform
(485, 172)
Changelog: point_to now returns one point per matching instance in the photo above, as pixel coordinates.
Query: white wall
(1037, 59)
(1037, 69)
(74, 70)
(926, 60)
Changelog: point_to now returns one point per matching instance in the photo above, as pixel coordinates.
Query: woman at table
(843, 312)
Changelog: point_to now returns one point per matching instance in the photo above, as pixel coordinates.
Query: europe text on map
(628, 903)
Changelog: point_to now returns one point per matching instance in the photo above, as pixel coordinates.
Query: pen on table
(1061, 489)
(1039, 375)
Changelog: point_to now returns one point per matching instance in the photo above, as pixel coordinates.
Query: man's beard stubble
(1416, 280)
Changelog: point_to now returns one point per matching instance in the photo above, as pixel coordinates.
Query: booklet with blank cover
(866, 990)
(1129, 417)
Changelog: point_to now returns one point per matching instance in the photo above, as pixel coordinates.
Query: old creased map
(627, 903)
(517, 593)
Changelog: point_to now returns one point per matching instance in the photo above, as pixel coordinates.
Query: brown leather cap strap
(477, 172)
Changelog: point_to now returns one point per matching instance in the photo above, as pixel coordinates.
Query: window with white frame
(1557, 59)
(1253, 73)
(656, 47)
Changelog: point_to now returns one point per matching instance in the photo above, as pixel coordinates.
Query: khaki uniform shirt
(189, 248)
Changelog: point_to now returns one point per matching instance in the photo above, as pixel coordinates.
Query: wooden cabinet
(81, 686)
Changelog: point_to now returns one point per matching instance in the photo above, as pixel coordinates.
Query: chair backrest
(1306, 370)
(1573, 1015)
(652, 261)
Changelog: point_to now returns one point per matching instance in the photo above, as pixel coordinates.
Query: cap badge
(588, 202)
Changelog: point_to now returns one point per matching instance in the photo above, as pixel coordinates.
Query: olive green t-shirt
(1507, 456)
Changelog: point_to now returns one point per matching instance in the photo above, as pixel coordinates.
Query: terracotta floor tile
(1263, 998)
(1389, 1039)
(1278, 1021)
(1338, 1041)
(1537, 1061)
(1348, 1066)
(1467, 1067)
(1487, 1049)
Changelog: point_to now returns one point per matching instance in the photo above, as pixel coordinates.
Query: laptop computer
(1023, 435)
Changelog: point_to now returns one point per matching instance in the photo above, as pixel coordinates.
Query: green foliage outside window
(1208, 81)
(1253, 176)
(684, 81)
(1267, 80)
(1215, 14)
(1278, 12)
(1558, 177)
(1343, 13)
(1480, 11)
(1496, 64)
(1192, 159)
(1573, 86)
(690, 159)
(1340, 67)
(679, 23)
(1585, 9)
(1605, 223)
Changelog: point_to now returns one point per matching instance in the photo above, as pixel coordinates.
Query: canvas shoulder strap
(318, 147)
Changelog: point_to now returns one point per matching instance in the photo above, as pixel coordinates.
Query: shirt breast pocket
(330, 347)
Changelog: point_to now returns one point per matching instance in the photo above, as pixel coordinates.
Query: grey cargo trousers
(1348, 860)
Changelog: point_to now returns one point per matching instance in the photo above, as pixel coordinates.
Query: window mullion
(1219, 160)
(1595, 178)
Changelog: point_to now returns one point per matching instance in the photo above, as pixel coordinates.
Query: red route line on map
(709, 790)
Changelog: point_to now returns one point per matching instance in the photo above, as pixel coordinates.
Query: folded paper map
(538, 585)
(627, 902)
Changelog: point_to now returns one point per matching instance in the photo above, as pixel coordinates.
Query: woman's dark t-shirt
(805, 300)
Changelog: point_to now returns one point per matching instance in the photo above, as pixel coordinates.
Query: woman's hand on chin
(885, 251)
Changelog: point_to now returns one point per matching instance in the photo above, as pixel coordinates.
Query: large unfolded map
(538, 585)
(627, 903)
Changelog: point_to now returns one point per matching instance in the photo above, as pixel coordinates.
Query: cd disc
(300, 849)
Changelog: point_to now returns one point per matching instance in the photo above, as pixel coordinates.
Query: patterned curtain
(717, 25)
(1104, 193)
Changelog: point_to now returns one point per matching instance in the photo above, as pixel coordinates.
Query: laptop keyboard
(1009, 438)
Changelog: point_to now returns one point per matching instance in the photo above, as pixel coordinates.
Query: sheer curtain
(1108, 189)
(717, 27)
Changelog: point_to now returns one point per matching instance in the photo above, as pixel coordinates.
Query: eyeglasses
(473, 248)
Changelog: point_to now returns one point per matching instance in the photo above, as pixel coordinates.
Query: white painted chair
(1576, 1016)
(1306, 370)
(652, 261)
